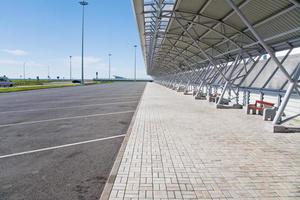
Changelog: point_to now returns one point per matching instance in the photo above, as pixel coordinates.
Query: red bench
(259, 106)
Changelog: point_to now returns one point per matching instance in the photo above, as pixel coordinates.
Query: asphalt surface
(39, 124)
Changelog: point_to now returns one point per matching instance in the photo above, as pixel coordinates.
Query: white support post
(279, 97)
(244, 97)
(228, 80)
(292, 86)
(223, 92)
(248, 97)
(237, 98)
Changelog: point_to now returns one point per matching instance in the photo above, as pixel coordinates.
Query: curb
(114, 171)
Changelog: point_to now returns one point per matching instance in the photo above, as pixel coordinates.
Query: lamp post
(70, 68)
(48, 67)
(135, 46)
(83, 3)
(109, 55)
(24, 70)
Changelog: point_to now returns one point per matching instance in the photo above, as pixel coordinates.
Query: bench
(259, 106)
(264, 108)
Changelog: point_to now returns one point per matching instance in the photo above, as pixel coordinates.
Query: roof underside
(178, 35)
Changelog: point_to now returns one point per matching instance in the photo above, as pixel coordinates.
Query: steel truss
(204, 51)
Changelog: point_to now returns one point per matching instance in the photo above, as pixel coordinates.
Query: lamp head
(84, 3)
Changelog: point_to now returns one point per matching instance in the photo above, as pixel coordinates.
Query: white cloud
(15, 52)
(13, 63)
(88, 60)
(8, 62)
(13, 68)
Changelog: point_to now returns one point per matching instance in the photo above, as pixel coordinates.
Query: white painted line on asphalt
(61, 146)
(65, 118)
(68, 107)
(80, 100)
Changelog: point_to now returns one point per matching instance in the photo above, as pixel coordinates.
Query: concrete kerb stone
(113, 173)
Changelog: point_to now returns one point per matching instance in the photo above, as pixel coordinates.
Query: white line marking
(77, 100)
(68, 107)
(61, 146)
(65, 118)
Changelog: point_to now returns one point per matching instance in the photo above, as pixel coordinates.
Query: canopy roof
(178, 35)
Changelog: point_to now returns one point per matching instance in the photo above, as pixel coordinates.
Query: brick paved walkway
(181, 148)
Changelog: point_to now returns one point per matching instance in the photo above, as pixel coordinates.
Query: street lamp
(135, 46)
(109, 55)
(83, 3)
(70, 67)
(24, 70)
(48, 67)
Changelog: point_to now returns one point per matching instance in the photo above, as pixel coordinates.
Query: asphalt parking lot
(61, 143)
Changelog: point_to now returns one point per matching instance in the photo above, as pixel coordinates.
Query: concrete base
(187, 93)
(237, 106)
(180, 89)
(234, 106)
(285, 129)
(216, 99)
(200, 97)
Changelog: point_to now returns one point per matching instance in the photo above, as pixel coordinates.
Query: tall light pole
(83, 3)
(135, 46)
(24, 70)
(70, 68)
(48, 71)
(109, 55)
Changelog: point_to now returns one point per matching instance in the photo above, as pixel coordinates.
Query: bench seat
(259, 106)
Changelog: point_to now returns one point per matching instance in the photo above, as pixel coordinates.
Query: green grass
(29, 82)
(33, 87)
(103, 82)
(25, 85)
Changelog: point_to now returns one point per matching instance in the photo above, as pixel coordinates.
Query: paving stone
(180, 148)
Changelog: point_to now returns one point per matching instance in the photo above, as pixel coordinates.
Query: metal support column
(228, 81)
(292, 86)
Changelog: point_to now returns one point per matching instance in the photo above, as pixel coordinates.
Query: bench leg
(265, 116)
(269, 114)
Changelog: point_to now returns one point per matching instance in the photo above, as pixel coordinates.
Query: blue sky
(45, 33)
